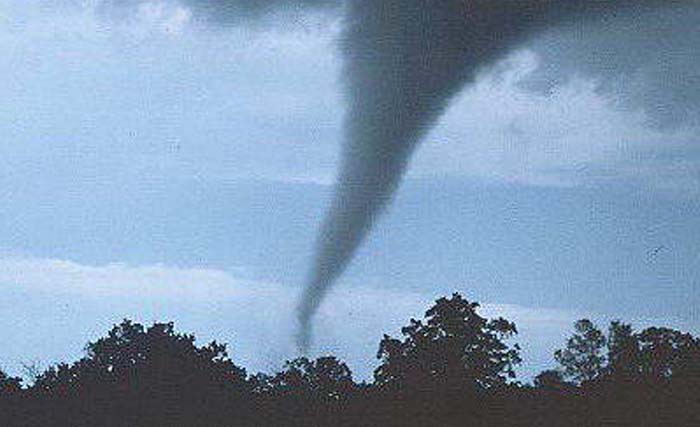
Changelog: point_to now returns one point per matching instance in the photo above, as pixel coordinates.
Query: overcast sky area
(160, 167)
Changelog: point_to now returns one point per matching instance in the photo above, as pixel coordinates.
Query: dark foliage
(583, 359)
(9, 385)
(453, 368)
(452, 347)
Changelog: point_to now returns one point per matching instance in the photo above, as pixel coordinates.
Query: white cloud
(56, 306)
(53, 275)
(63, 304)
(163, 16)
(573, 136)
(646, 61)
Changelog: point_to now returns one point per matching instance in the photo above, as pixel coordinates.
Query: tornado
(404, 61)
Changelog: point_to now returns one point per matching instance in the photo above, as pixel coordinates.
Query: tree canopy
(450, 368)
(9, 385)
(453, 345)
(583, 357)
(655, 354)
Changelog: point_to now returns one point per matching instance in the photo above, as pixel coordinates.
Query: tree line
(453, 367)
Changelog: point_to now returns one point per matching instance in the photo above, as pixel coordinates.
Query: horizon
(162, 168)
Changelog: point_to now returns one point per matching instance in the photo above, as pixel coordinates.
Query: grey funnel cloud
(404, 61)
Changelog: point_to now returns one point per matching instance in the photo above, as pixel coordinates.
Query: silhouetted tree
(664, 352)
(686, 367)
(623, 351)
(133, 357)
(553, 380)
(453, 346)
(260, 383)
(449, 368)
(147, 376)
(9, 385)
(325, 377)
(583, 359)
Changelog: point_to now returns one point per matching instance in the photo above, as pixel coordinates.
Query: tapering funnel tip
(305, 310)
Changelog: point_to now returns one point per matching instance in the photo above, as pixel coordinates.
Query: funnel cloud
(403, 63)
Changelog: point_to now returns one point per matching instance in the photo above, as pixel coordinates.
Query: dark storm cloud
(648, 60)
(404, 62)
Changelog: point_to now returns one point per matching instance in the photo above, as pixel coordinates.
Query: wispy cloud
(72, 303)
(56, 306)
(113, 280)
(573, 136)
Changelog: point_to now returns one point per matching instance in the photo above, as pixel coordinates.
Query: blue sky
(161, 169)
